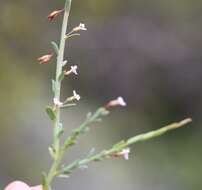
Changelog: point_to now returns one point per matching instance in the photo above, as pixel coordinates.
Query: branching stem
(60, 57)
(57, 150)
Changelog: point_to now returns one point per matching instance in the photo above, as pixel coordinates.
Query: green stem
(60, 57)
(124, 144)
(159, 132)
(72, 139)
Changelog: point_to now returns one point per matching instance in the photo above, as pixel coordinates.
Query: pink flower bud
(54, 14)
(45, 58)
(117, 102)
(124, 153)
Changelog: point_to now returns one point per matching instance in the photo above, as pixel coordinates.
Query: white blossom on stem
(72, 70)
(117, 102)
(76, 96)
(79, 28)
(57, 102)
(124, 153)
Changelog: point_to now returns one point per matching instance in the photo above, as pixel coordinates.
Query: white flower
(57, 102)
(80, 27)
(117, 102)
(121, 101)
(125, 153)
(76, 96)
(74, 69)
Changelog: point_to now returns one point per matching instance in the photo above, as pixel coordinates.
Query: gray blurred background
(149, 52)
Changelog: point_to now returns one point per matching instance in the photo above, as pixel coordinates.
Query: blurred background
(149, 52)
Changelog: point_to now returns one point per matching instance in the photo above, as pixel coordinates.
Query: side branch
(121, 145)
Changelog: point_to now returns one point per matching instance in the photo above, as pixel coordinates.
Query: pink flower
(54, 14)
(57, 102)
(45, 58)
(18, 185)
(117, 102)
(124, 153)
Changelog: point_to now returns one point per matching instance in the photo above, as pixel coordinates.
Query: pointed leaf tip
(55, 47)
(50, 113)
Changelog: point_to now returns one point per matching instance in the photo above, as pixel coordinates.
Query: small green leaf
(91, 152)
(77, 131)
(68, 169)
(85, 130)
(51, 113)
(53, 86)
(97, 159)
(52, 152)
(44, 182)
(55, 47)
(60, 130)
(119, 144)
(103, 112)
(61, 76)
(89, 115)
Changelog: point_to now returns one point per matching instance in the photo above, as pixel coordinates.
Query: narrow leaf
(89, 115)
(103, 112)
(61, 76)
(55, 47)
(51, 113)
(119, 144)
(53, 86)
(60, 130)
(91, 152)
(44, 182)
(68, 169)
(52, 153)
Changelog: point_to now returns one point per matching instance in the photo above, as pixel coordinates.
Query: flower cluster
(59, 146)
(63, 69)
(73, 69)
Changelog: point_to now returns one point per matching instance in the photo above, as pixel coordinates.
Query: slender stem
(124, 144)
(72, 139)
(56, 140)
(159, 132)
